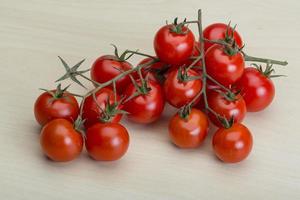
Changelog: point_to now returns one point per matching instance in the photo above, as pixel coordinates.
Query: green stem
(141, 54)
(264, 60)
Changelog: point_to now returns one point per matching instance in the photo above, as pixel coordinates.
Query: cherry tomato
(235, 108)
(155, 72)
(145, 108)
(233, 144)
(60, 141)
(190, 132)
(53, 106)
(196, 53)
(107, 141)
(222, 67)
(92, 113)
(257, 89)
(107, 67)
(178, 92)
(172, 47)
(217, 31)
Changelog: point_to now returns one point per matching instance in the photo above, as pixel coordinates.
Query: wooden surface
(34, 32)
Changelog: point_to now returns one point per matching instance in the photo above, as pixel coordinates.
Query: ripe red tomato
(222, 67)
(155, 72)
(233, 144)
(92, 113)
(217, 31)
(190, 132)
(60, 141)
(196, 53)
(172, 47)
(257, 89)
(48, 107)
(145, 108)
(107, 67)
(107, 141)
(226, 108)
(178, 92)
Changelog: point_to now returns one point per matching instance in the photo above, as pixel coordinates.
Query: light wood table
(33, 33)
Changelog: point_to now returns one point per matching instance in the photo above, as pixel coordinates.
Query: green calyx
(178, 27)
(123, 57)
(110, 111)
(185, 111)
(229, 95)
(225, 122)
(183, 76)
(58, 93)
(72, 72)
(268, 72)
(78, 124)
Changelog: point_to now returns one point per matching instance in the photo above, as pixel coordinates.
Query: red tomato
(222, 67)
(145, 108)
(217, 31)
(257, 89)
(172, 47)
(60, 141)
(226, 108)
(154, 71)
(179, 93)
(190, 132)
(48, 107)
(233, 144)
(107, 141)
(92, 113)
(196, 53)
(107, 67)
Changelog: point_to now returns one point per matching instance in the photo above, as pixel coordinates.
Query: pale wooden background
(34, 32)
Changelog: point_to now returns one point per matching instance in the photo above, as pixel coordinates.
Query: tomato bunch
(207, 80)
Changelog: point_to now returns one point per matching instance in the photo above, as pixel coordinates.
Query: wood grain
(34, 32)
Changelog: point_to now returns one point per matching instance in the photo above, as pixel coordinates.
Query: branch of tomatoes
(199, 71)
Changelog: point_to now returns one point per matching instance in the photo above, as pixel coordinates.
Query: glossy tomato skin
(151, 70)
(178, 93)
(226, 108)
(92, 113)
(107, 141)
(222, 67)
(171, 47)
(190, 132)
(145, 108)
(196, 53)
(257, 90)
(233, 144)
(60, 141)
(217, 31)
(47, 108)
(107, 67)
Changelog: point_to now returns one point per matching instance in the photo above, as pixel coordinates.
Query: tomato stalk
(263, 60)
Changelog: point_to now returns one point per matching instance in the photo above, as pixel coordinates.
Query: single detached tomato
(107, 141)
(55, 104)
(189, 132)
(174, 44)
(232, 144)
(217, 31)
(222, 66)
(105, 101)
(226, 107)
(179, 90)
(107, 67)
(257, 89)
(147, 106)
(60, 141)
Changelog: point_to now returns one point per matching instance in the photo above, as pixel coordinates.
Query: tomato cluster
(207, 80)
